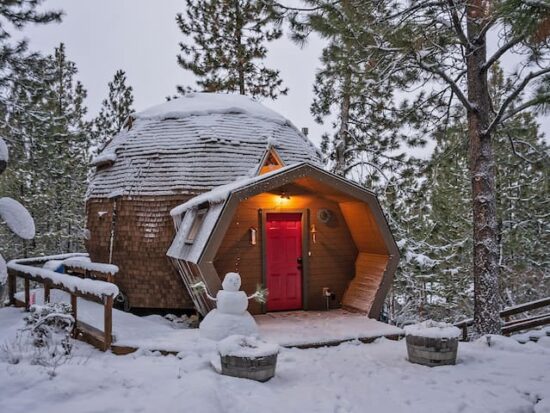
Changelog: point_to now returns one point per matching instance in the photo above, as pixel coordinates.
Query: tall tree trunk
(482, 172)
(343, 131)
(240, 53)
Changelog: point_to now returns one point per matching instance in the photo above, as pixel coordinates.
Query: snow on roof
(222, 192)
(181, 248)
(193, 144)
(196, 104)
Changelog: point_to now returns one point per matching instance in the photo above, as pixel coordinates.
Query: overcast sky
(141, 37)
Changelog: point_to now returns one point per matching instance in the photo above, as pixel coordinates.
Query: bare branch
(512, 97)
(458, 27)
(533, 102)
(452, 84)
(501, 51)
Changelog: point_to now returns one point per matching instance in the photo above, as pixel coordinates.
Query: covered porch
(314, 240)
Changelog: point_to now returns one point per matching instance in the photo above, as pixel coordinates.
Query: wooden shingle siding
(144, 231)
(332, 259)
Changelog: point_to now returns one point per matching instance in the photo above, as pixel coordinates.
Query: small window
(196, 225)
(271, 162)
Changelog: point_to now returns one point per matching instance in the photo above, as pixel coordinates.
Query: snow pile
(243, 346)
(104, 158)
(91, 266)
(72, 283)
(433, 329)
(351, 377)
(197, 104)
(17, 218)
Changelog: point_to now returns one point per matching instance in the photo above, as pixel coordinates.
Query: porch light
(313, 234)
(284, 195)
(253, 235)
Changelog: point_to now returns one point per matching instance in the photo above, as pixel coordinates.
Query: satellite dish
(324, 215)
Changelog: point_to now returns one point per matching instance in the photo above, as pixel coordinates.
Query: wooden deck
(288, 329)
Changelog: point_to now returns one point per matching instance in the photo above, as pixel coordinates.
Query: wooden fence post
(12, 286)
(46, 292)
(27, 294)
(74, 311)
(108, 321)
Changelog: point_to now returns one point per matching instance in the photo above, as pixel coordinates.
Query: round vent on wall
(324, 215)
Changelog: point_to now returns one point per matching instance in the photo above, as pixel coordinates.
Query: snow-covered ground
(353, 377)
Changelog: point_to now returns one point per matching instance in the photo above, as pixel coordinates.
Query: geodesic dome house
(211, 183)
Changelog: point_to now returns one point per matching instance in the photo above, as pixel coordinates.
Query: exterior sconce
(284, 195)
(253, 235)
(313, 234)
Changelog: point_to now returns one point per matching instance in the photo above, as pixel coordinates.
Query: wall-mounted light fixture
(253, 235)
(284, 195)
(313, 234)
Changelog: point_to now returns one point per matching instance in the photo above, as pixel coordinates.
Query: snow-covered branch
(503, 108)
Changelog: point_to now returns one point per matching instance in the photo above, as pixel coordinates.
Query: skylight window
(196, 225)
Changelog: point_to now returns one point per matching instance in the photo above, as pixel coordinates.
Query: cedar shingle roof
(193, 144)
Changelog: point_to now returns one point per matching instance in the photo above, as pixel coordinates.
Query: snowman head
(232, 282)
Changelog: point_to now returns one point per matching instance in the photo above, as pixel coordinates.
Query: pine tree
(365, 143)
(114, 110)
(50, 153)
(227, 46)
(14, 56)
(439, 52)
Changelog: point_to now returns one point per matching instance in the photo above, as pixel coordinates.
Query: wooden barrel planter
(432, 344)
(248, 358)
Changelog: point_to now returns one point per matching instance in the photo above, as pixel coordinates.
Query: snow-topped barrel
(165, 156)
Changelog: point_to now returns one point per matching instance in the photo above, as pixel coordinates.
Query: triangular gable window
(270, 162)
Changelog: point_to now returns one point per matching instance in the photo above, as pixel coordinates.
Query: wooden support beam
(108, 322)
(27, 294)
(526, 324)
(74, 312)
(12, 287)
(46, 292)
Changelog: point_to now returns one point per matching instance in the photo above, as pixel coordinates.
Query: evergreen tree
(114, 110)
(365, 143)
(50, 153)
(226, 46)
(437, 55)
(14, 57)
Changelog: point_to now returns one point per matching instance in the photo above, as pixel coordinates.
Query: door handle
(299, 260)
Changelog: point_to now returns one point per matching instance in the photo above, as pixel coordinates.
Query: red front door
(284, 261)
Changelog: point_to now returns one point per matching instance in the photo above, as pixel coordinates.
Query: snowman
(230, 317)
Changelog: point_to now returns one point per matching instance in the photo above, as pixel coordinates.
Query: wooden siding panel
(369, 271)
(363, 227)
(331, 259)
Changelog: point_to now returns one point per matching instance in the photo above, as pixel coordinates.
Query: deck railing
(511, 326)
(85, 281)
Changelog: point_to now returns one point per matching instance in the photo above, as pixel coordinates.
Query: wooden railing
(510, 326)
(95, 289)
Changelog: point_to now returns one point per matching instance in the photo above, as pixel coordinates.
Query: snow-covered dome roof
(192, 144)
